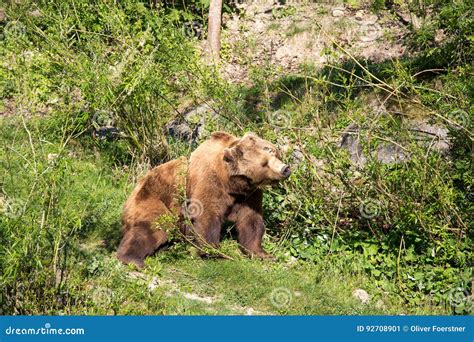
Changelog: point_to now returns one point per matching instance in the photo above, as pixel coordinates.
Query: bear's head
(257, 160)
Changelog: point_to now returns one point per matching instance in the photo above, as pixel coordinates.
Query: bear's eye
(270, 150)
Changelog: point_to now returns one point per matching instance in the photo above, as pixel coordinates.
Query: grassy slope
(174, 281)
(61, 197)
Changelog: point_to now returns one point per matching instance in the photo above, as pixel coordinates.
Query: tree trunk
(214, 29)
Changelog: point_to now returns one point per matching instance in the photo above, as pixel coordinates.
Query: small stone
(338, 11)
(404, 17)
(359, 16)
(52, 157)
(440, 36)
(36, 13)
(380, 304)
(361, 295)
(193, 296)
(153, 284)
(292, 260)
(250, 312)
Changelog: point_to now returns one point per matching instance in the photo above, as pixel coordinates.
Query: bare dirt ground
(317, 34)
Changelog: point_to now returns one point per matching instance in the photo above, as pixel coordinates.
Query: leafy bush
(99, 65)
(446, 39)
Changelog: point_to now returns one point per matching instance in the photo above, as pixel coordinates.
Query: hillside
(370, 102)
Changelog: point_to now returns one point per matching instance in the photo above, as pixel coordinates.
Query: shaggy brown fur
(223, 182)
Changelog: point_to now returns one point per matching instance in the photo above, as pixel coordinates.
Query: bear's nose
(286, 171)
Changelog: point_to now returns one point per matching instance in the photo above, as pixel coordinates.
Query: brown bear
(222, 181)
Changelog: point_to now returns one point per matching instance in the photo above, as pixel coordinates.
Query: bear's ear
(251, 136)
(228, 157)
(230, 154)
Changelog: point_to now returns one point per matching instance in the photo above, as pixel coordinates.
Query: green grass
(186, 285)
(62, 190)
(80, 232)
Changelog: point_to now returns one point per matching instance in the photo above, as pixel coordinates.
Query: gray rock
(350, 141)
(380, 304)
(431, 136)
(338, 11)
(36, 13)
(297, 156)
(361, 295)
(390, 153)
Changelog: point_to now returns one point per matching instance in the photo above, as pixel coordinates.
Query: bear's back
(159, 187)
